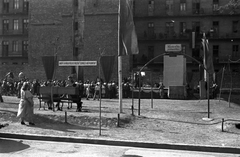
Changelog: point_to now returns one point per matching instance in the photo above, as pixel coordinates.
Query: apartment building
(161, 22)
(14, 23)
(82, 30)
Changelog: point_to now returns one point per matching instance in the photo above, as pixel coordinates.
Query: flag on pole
(207, 56)
(127, 34)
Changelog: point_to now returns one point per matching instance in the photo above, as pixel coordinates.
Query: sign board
(173, 47)
(77, 63)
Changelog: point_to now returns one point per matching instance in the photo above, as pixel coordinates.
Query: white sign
(173, 47)
(77, 63)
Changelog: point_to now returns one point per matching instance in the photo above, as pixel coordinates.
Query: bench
(57, 92)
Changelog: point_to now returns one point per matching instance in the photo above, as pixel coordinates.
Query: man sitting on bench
(76, 98)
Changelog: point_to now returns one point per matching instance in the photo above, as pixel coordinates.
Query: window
(235, 26)
(183, 5)
(184, 49)
(6, 6)
(151, 33)
(25, 25)
(25, 48)
(169, 28)
(183, 27)
(169, 7)
(5, 48)
(235, 51)
(150, 52)
(215, 52)
(5, 26)
(15, 25)
(25, 5)
(196, 28)
(196, 53)
(215, 29)
(196, 6)
(215, 5)
(150, 7)
(16, 4)
(15, 46)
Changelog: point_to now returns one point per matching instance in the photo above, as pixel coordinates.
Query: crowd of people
(88, 89)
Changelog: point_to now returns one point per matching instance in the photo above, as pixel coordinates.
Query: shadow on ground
(59, 123)
(8, 146)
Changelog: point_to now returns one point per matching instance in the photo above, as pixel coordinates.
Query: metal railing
(14, 54)
(164, 36)
(15, 11)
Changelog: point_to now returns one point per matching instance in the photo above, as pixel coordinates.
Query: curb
(213, 149)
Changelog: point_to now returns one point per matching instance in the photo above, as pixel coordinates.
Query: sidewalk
(169, 123)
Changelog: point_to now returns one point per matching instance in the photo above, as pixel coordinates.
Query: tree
(232, 7)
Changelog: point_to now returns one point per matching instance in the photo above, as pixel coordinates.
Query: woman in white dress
(25, 110)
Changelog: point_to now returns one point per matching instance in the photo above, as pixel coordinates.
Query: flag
(107, 63)
(49, 64)
(207, 56)
(127, 34)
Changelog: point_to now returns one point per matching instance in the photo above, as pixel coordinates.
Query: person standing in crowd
(90, 90)
(26, 105)
(161, 90)
(111, 90)
(79, 103)
(36, 86)
(215, 90)
(103, 92)
(126, 90)
(97, 91)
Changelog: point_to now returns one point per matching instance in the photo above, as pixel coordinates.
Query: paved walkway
(161, 122)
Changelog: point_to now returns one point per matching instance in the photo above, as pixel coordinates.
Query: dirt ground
(160, 121)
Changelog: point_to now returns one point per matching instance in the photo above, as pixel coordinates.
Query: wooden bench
(57, 93)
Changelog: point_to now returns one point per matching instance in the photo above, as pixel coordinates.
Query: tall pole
(139, 92)
(73, 32)
(208, 88)
(119, 64)
(151, 90)
(100, 95)
(132, 91)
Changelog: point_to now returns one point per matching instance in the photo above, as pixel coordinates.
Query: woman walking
(25, 110)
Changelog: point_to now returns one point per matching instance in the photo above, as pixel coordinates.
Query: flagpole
(207, 75)
(119, 64)
(208, 88)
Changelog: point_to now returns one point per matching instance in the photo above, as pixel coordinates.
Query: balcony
(182, 36)
(162, 36)
(14, 32)
(21, 11)
(14, 54)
